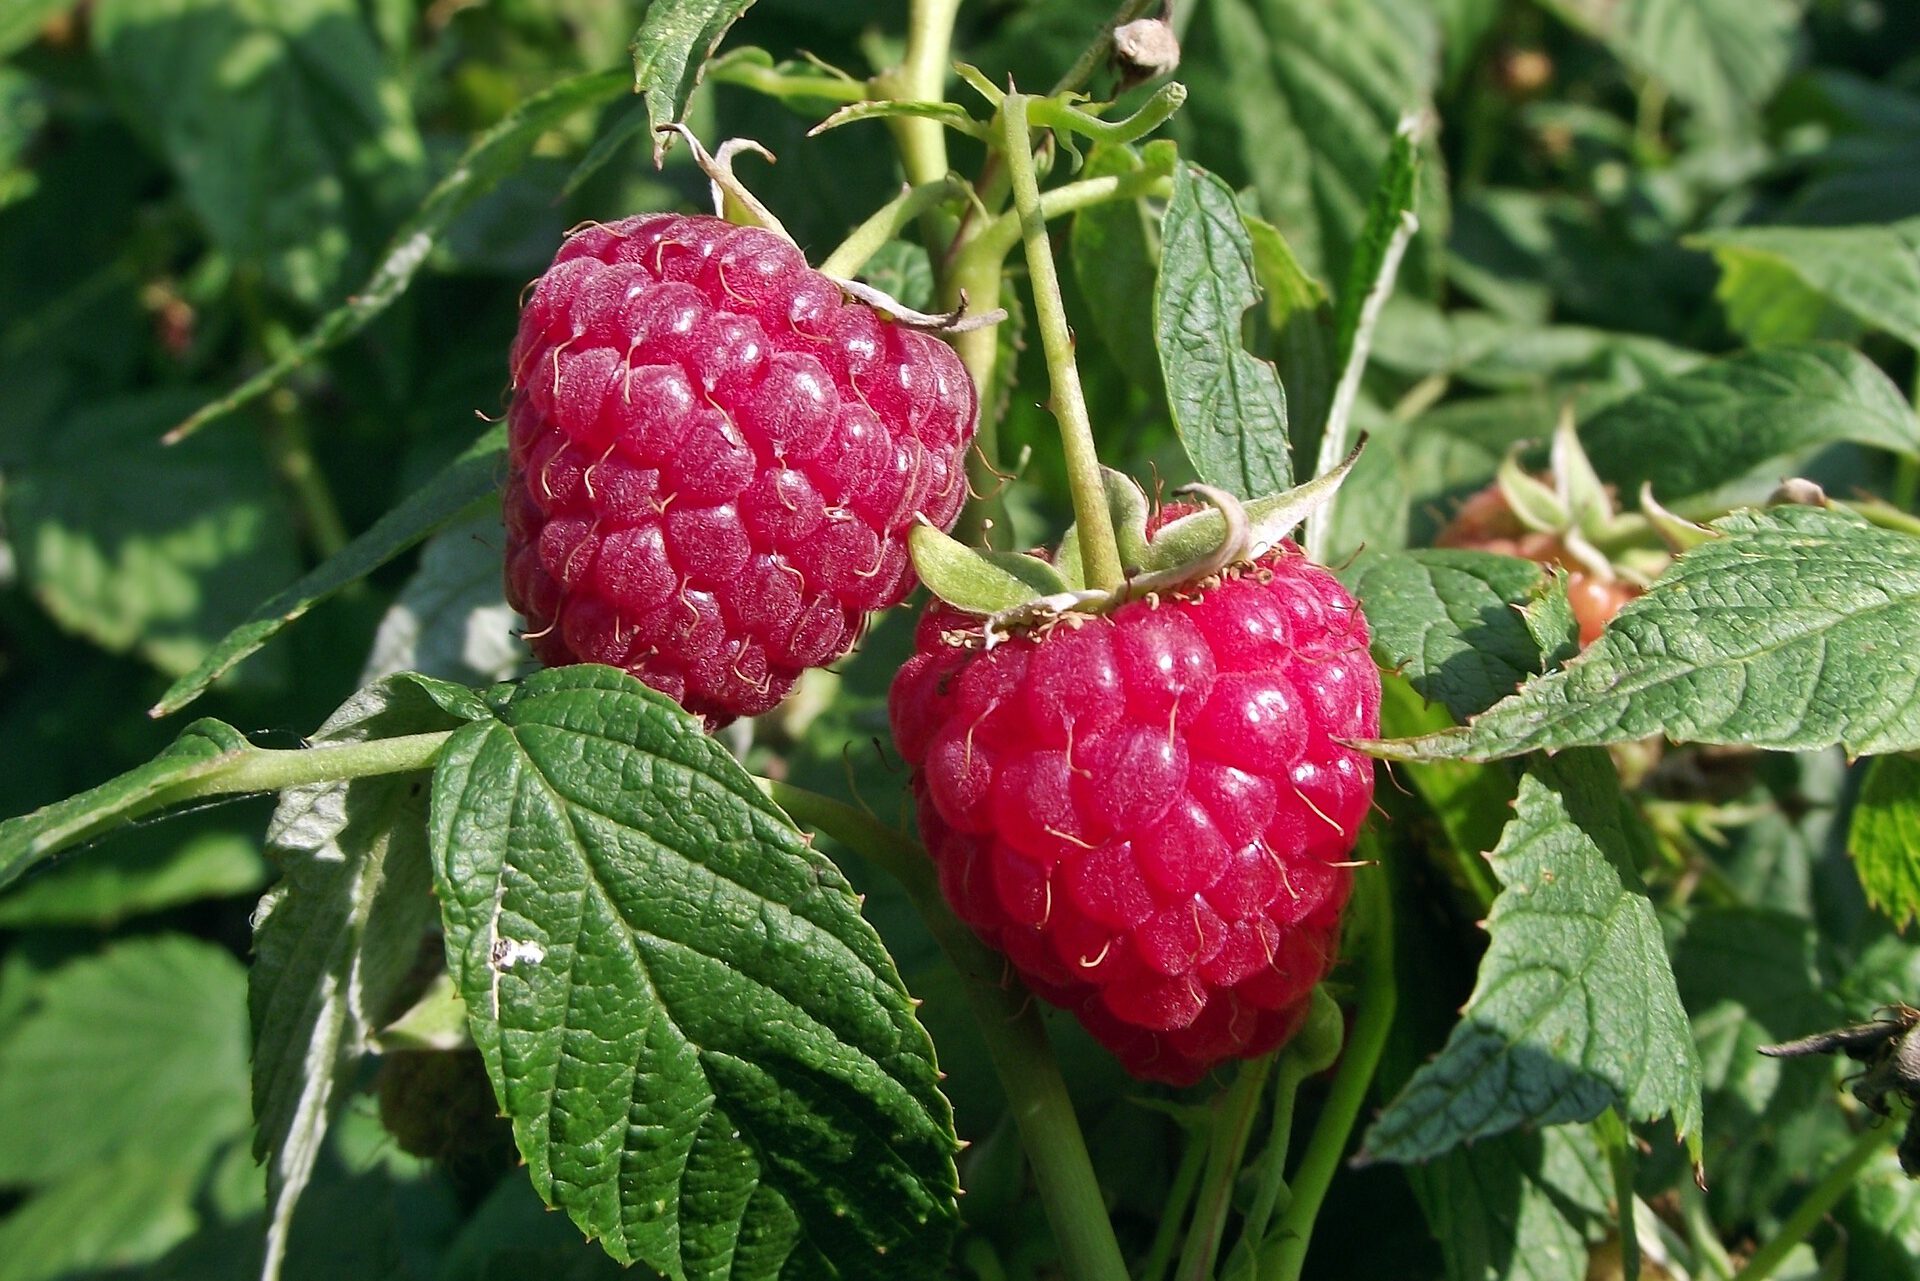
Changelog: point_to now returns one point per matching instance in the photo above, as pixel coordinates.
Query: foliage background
(187, 185)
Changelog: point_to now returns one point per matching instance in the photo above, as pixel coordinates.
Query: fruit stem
(1282, 1259)
(1099, 549)
(886, 223)
(1015, 1037)
(1809, 1213)
(1233, 1116)
(1174, 1212)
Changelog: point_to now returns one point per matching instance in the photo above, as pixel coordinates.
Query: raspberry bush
(1211, 639)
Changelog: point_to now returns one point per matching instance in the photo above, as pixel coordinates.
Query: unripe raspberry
(1151, 811)
(715, 459)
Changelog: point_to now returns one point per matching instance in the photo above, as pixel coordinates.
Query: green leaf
(466, 480)
(202, 748)
(1871, 273)
(1393, 199)
(1575, 1009)
(1726, 420)
(492, 156)
(1749, 978)
(1722, 57)
(163, 576)
(1885, 837)
(452, 619)
(1518, 1207)
(334, 939)
(105, 1219)
(1115, 260)
(1317, 92)
(1449, 621)
(105, 889)
(675, 39)
(1227, 406)
(979, 580)
(140, 1050)
(1789, 631)
(1491, 351)
(292, 143)
(1299, 321)
(701, 1044)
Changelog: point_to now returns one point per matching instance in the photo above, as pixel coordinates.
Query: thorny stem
(1825, 1195)
(1099, 549)
(1234, 1112)
(1015, 1037)
(1282, 1260)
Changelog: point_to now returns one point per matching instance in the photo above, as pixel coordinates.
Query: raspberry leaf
(980, 580)
(291, 138)
(1575, 1009)
(1700, 431)
(1227, 406)
(700, 1042)
(466, 480)
(452, 620)
(139, 1050)
(1791, 631)
(1519, 1207)
(203, 748)
(1449, 622)
(493, 156)
(1885, 837)
(670, 50)
(334, 940)
(1785, 283)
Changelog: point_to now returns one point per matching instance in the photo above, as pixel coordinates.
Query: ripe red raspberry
(716, 458)
(1147, 811)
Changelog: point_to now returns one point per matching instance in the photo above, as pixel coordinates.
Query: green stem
(1266, 1194)
(922, 77)
(1616, 1140)
(1282, 1260)
(1099, 550)
(290, 450)
(1174, 1212)
(886, 223)
(1702, 1235)
(262, 769)
(1016, 1039)
(1233, 1117)
(1825, 1195)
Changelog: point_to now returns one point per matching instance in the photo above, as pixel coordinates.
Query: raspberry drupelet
(1151, 811)
(715, 459)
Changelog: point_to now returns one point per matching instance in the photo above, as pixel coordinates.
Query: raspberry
(1486, 522)
(1148, 811)
(716, 458)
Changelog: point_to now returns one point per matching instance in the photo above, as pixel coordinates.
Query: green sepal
(1269, 520)
(1536, 505)
(1128, 509)
(948, 114)
(980, 580)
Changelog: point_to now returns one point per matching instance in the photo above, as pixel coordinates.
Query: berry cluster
(715, 459)
(1150, 811)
